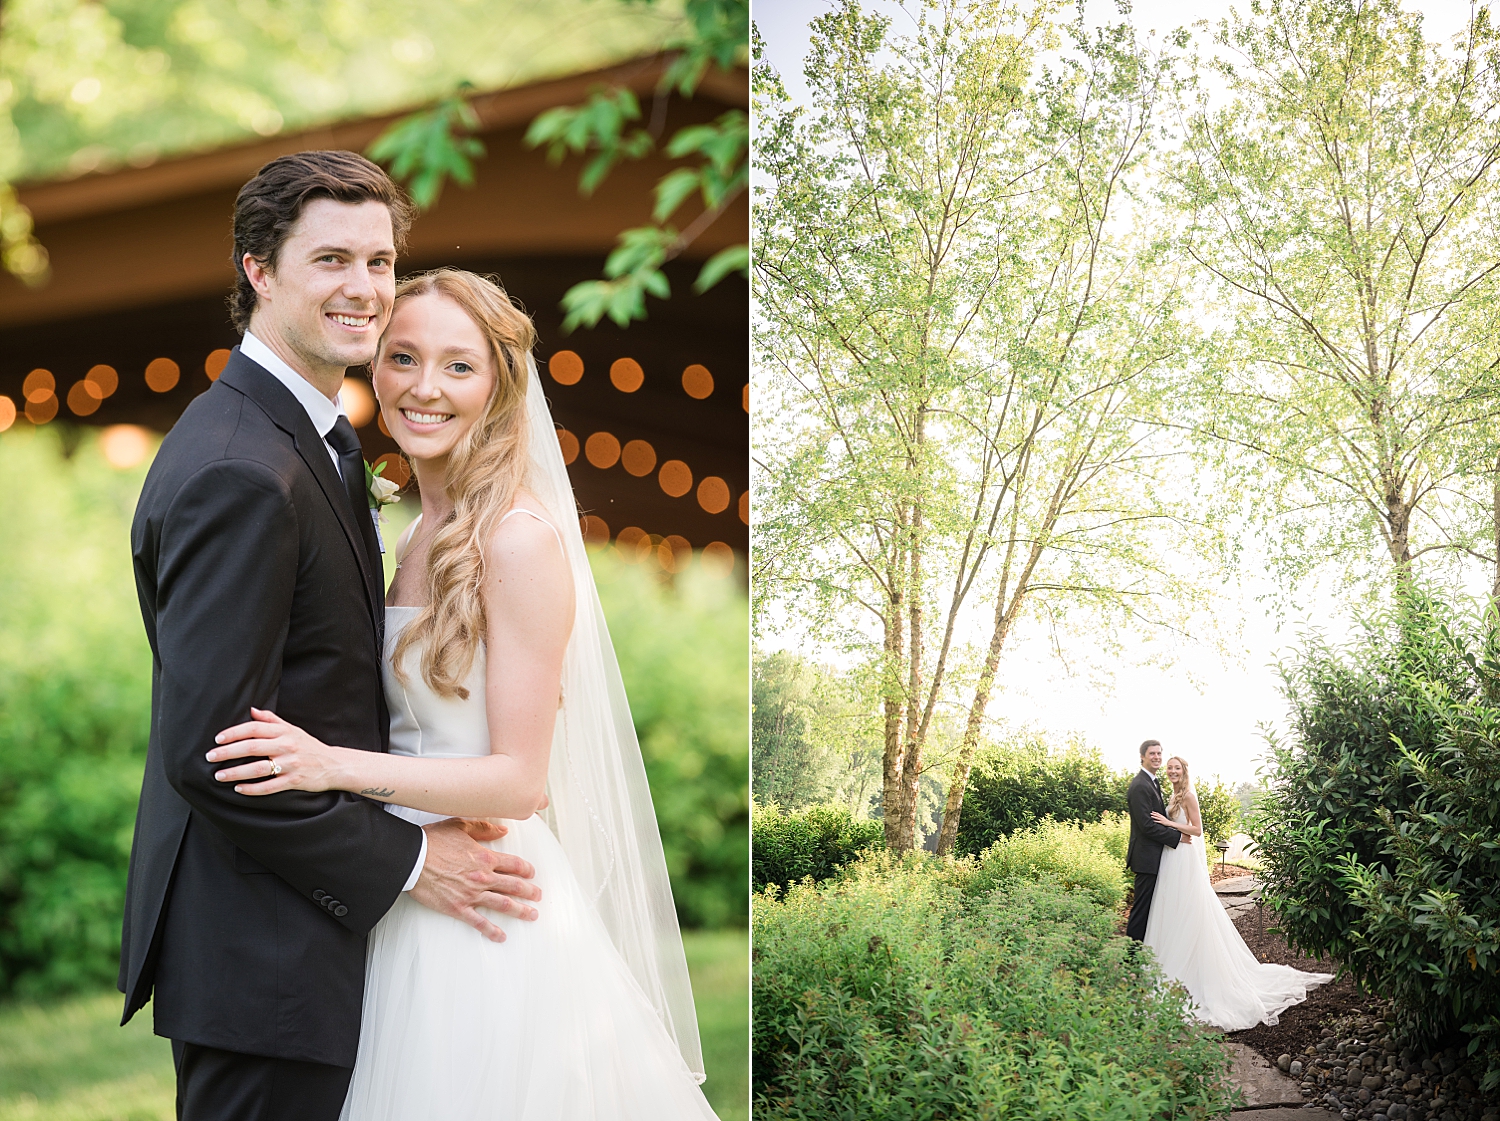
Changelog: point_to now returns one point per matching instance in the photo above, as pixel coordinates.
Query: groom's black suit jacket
(260, 585)
(1147, 837)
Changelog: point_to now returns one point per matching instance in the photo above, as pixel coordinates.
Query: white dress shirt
(324, 414)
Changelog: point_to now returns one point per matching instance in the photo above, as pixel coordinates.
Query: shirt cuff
(416, 872)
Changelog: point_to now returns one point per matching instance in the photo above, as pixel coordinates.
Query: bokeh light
(565, 367)
(380, 423)
(39, 385)
(396, 469)
(718, 559)
(214, 364)
(745, 507)
(697, 381)
(162, 375)
(713, 494)
(42, 409)
(633, 543)
(626, 375)
(675, 477)
(569, 445)
(7, 413)
(602, 450)
(638, 458)
(83, 399)
(104, 380)
(124, 445)
(595, 531)
(745, 397)
(674, 553)
(358, 400)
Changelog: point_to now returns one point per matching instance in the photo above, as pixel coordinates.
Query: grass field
(70, 1061)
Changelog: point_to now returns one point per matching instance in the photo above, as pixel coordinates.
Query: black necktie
(351, 464)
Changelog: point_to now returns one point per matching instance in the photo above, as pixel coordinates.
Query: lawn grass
(69, 1060)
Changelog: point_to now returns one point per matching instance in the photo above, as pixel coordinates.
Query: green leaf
(672, 189)
(426, 148)
(735, 258)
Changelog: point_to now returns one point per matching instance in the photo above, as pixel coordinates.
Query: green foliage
(815, 842)
(682, 651)
(814, 736)
(1378, 831)
(598, 125)
(426, 148)
(717, 35)
(1015, 785)
(75, 696)
(1347, 397)
(1090, 858)
(892, 994)
(1220, 810)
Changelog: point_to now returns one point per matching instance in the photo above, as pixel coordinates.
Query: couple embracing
(1176, 912)
(395, 856)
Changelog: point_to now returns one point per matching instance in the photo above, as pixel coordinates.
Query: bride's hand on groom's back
(461, 876)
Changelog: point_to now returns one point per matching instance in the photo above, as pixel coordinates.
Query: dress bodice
(422, 722)
(425, 724)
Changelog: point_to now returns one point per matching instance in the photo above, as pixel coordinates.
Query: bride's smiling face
(434, 375)
(1174, 768)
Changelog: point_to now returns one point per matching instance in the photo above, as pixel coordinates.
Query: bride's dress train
(1197, 945)
(549, 1024)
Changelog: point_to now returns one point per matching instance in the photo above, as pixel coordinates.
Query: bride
(1196, 944)
(504, 695)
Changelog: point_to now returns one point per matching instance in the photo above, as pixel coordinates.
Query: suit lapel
(277, 402)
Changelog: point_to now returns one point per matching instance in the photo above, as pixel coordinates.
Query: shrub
(1089, 857)
(1017, 785)
(815, 842)
(1378, 829)
(892, 994)
(75, 704)
(684, 658)
(1220, 811)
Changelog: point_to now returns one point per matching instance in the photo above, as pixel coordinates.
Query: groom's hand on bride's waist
(461, 876)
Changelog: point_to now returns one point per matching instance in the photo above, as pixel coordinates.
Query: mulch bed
(1300, 1025)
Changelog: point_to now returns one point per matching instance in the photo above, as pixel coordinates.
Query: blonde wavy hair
(485, 472)
(1183, 784)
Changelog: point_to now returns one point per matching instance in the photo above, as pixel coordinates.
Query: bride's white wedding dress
(549, 1024)
(1197, 945)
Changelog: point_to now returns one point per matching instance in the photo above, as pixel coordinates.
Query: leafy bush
(1220, 811)
(892, 994)
(1378, 831)
(1090, 857)
(75, 701)
(1017, 785)
(683, 656)
(816, 842)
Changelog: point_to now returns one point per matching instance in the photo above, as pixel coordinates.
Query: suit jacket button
(341, 910)
(319, 895)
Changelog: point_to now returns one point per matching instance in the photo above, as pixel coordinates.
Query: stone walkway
(1270, 1095)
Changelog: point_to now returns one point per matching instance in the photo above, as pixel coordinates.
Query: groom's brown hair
(1149, 744)
(269, 205)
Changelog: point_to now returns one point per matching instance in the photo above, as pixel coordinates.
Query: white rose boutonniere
(381, 492)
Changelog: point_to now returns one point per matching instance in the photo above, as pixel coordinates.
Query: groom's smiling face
(325, 300)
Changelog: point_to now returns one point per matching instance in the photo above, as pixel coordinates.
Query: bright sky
(1203, 706)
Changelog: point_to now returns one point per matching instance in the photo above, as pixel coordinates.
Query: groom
(259, 579)
(1147, 837)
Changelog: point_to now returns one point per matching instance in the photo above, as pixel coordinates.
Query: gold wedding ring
(275, 769)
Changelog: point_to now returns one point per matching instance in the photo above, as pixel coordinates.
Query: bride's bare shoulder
(526, 545)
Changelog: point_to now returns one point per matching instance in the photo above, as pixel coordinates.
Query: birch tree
(962, 345)
(1344, 212)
